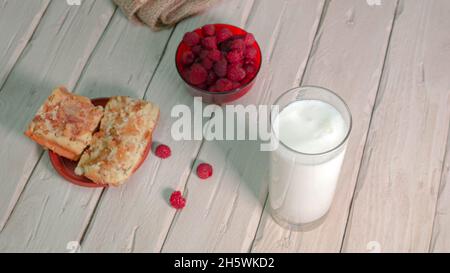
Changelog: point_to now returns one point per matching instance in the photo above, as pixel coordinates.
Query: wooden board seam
(30, 38)
(247, 18)
(16, 200)
(441, 188)
(85, 230)
(298, 82)
(376, 102)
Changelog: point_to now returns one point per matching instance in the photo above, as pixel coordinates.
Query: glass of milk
(311, 127)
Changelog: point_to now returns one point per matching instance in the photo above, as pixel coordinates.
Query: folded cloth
(162, 13)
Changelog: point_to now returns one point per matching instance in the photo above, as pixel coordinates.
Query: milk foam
(310, 126)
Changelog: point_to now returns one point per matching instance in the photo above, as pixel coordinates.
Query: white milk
(304, 174)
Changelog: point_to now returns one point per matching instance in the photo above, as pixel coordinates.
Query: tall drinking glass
(312, 128)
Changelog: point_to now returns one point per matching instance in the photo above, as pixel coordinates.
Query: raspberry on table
(223, 35)
(224, 85)
(187, 58)
(177, 200)
(191, 38)
(163, 151)
(235, 56)
(197, 74)
(204, 171)
(209, 42)
(220, 68)
(249, 39)
(209, 30)
(236, 73)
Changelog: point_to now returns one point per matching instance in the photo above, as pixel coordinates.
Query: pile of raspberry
(218, 60)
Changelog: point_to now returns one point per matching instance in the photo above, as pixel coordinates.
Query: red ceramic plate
(66, 167)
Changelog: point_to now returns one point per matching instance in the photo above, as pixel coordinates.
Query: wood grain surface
(389, 62)
(398, 185)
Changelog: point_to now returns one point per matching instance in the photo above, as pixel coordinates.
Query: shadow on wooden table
(244, 165)
(20, 98)
(93, 89)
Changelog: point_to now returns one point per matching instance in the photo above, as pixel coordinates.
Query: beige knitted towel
(161, 13)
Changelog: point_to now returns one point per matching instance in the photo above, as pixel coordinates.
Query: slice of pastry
(118, 148)
(65, 123)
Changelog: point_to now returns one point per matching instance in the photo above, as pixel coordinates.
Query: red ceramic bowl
(218, 97)
(66, 167)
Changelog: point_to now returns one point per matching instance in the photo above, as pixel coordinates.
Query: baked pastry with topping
(118, 149)
(65, 123)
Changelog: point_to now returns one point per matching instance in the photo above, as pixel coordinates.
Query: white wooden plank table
(390, 62)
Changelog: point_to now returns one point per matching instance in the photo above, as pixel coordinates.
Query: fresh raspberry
(236, 73)
(249, 39)
(226, 46)
(251, 53)
(187, 58)
(197, 74)
(237, 44)
(220, 68)
(236, 85)
(250, 69)
(204, 171)
(185, 74)
(214, 55)
(212, 78)
(177, 200)
(224, 85)
(209, 42)
(235, 56)
(163, 151)
(250, 62)
(212, 88)
(191, 38)
(196, 50)
(203, 54)
(207, 63)
(223, 35)
(209, 30)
